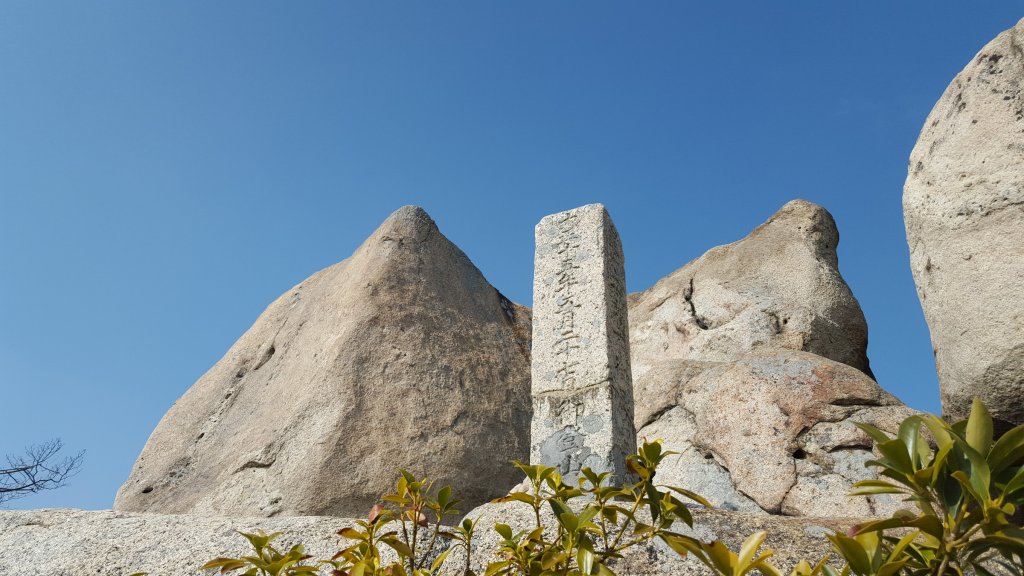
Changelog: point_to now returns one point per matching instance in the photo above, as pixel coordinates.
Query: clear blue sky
(168, 169)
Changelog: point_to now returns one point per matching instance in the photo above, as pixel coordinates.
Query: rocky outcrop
(777, 289)
(751, 361)
(963, 204)
(76, 542)
(771, 432)
(401, 356)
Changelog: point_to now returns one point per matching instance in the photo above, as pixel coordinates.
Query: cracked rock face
(401, 356)
(770, 432)
(777, 289)
(751, 361)
(963, 204)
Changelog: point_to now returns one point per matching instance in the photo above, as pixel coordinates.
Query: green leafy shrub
(608, 523)
(266, 559)
(404, 527)
(966, 489)
(965, 484)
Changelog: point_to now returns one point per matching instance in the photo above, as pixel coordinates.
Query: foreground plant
(966, 489)
(610, 520)
(266, 560)
(966, 485)
(404, 527)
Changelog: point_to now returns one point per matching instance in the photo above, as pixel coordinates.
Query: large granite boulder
(777, 289)
(401, 356)
(963, 204)
(770, 432)
(751, 361)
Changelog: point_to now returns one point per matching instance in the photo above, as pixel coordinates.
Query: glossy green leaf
(691, 495)
(722, 559)
(679, 543)
(768, 569)
(515, 497)
(588, 514)
(225, 563)
(444, 495)
(504, 530)
(939, 462)
(398, 546)
(877, 435)
(897, 550)
(1016, 484)
(866, 487)
(351, 533)
(980, 478)
(440, 560)
(910, 434)
(979, 428)
(827, 570)
(585, 560)
(260, 540)
(853, 552)
(896, 457)
(890, 568)
(559, 507)
(939, 429)
(750, 546)
(1007, 450)
(569, 521)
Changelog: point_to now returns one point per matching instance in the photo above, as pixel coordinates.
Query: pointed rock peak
(800, 219)
(800, 209)
(335, 388)
(407, 223)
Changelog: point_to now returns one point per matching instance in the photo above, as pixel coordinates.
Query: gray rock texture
(793, 539)
(581, 382)
(401, 356)
(77, 542)
(64, 542)
(963, 204)
(751, 361)
(777, 289)
(770, 432)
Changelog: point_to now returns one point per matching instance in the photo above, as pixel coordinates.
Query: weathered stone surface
(75, 542)
(693, 468)
(581, 383)
(793, 538)
(769, 432)
(401, 356)
(963, 204)
(63, 542)
(777, 289)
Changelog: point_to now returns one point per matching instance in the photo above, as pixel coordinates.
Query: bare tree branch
(38, 469)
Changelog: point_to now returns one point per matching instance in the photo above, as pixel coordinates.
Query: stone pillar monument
(581, 382)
